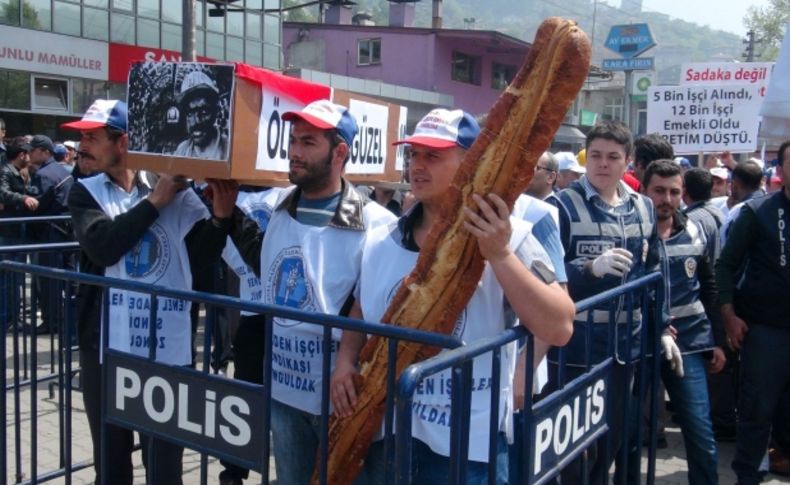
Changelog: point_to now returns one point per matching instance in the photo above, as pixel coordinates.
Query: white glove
(615, 261)
(672, 353)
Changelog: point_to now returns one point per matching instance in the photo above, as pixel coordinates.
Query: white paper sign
(727, 73)
(697, 119)
(400, 150)
(64, 55)
(273, 131)
(369, 150)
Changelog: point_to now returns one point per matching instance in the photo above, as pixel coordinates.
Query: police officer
(687, 259)
(608, 232)
(755, 316)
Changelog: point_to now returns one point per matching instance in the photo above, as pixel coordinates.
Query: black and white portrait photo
(181, 109)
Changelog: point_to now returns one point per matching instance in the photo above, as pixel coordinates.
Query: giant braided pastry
(518, 130)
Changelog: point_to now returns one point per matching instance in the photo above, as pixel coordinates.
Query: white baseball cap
(720, 172)
(568, 161)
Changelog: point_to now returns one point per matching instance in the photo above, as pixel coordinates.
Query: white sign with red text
(705, 118)
(727, 73)
(44, 52)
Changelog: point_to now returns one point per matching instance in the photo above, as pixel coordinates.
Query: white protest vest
(313, 269)
(385, 263)
(258, 206)
(160, 258)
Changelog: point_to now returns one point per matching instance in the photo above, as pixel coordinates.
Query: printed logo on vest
(460, 323)
(690, 265)
(150, 256)
(261, 213)
(286, 284)
(593, 248)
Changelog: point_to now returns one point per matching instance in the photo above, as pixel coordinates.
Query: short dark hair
(782, 148)
(699, 183)
(113, 133)
(662, 168)
(748, 174)
(614, 131)
(653, 146)
(334, 138)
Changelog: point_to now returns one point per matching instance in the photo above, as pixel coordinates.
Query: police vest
(593, 231)
(762, 298)
(681, 255)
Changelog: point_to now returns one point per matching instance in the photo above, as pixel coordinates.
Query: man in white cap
(308, 258)
(570, 170)
(517, 268)
(198, 102)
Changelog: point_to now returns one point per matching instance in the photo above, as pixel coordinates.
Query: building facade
(57, 56)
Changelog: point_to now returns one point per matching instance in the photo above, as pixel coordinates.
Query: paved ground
(671, 464)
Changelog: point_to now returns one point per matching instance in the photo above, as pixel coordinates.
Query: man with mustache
(198, 102)
(308, 257)
(688, 257)
(155, 230)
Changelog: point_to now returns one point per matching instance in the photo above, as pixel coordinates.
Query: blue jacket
(588, 228)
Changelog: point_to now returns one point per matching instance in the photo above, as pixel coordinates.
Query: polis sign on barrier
(567, 422)
(629, 40)
(212, 414)
(630, 64)
(705, 118)
(44, 52)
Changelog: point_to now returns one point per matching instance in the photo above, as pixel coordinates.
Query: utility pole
(188, 31)
(750, 42)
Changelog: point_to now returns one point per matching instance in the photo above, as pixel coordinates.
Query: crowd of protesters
(589, 222)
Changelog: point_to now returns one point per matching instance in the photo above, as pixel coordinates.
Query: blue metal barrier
(213, 391)
(202, 381)
(22, 299)
(460, 361)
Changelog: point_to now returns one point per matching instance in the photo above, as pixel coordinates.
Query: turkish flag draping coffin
(225, 121)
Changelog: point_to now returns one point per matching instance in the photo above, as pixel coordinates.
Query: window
(14, 89)
(147, 32)
(67, 18)
(253, 54)
(37, 14)
(121, 28)
(171, 37)
(149, 8)
(234, 49)
(50, 94)
(95, 23)
(613, 108)
(369, 52)
(253, 26)
(465, 68)
(85, 92)
(501, 75)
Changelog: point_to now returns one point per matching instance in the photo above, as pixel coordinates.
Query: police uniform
(687, 265)
(759, 236)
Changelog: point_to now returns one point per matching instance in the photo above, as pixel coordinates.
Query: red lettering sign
(122, 56)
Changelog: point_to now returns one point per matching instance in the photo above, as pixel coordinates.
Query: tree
(304, 14)
(769, 24)
(10, 14)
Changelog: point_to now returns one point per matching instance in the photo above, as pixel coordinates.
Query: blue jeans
(689, 396)
(765, 374)
(295, 438)
(429, 468)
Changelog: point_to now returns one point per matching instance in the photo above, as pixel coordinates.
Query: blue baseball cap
(103, 112)
(60, 153)
(327, 115)
(442, 128)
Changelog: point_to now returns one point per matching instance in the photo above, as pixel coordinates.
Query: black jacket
(104, 240)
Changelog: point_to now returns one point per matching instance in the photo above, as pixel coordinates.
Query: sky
(726, 15)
